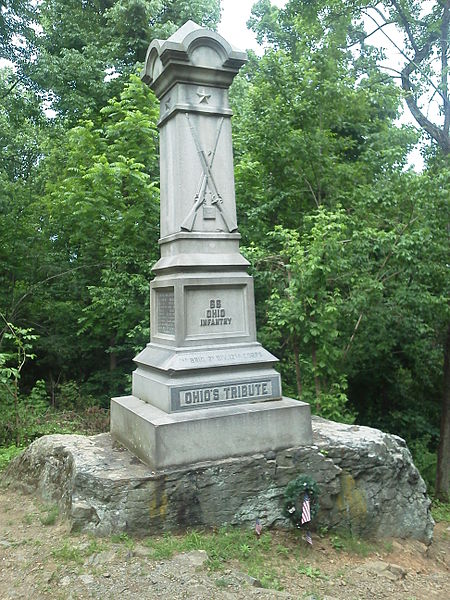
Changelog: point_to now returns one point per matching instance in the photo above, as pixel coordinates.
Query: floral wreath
(294, 496)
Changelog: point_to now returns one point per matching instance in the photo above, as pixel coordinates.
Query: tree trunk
(16, 409)
(297, 368)
(443, 464)
(316, 377)
(112, 354)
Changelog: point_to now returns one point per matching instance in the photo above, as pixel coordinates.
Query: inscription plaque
(216, 310)
(234, 392)
(165, 311)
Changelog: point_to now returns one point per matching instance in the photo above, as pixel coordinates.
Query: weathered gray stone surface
(369, 485)
(163, 440)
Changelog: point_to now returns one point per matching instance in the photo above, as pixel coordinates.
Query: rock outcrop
(368, 485)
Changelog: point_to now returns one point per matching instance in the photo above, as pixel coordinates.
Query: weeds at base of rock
(50, 516)
(27, 519)
(123, 538)
(224, 545)
(351, 545)
(68, 553)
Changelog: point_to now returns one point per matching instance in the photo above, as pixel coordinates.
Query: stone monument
(206, 412)
(204, 388)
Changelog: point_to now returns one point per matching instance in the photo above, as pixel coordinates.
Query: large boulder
(368, 485)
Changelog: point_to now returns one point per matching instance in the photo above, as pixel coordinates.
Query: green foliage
(67, 553)
(348, 246)
(305, 303)
(24, 417)
(309, 571)
(98, 220)
(294, 495)
(15, 411)
(425, 459)
(86, 51)
(441, 511)
(15, 22)
(7, 453)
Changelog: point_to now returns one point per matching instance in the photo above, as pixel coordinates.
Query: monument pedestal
(204, 388)
(164, 440)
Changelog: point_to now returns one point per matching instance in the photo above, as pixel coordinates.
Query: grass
(27, 519)
(123, 538)
(351, 544)
(268, 559)
(224, 545)
(68, 553)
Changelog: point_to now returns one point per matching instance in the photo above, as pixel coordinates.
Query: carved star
(203, 96)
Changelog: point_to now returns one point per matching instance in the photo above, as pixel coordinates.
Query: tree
(15, 25)
(424, 75)
(335, 157)
(101, 215)
(423, 27)
(79, 190)
(85, 51)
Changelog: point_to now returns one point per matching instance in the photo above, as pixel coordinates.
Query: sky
(235, 14)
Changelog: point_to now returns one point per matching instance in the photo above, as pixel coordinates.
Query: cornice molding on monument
(191, 55)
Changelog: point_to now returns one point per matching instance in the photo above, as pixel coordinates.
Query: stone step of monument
(163, 439)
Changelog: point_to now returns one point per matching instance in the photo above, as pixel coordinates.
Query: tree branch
(393, 70)
(444, 65)
(405, 23)
(433, 131)
(362, 39)
(47, 279)
(411, 61)
(10, 89)
(312, 191)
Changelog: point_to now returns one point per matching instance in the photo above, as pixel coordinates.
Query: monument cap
(191, 55)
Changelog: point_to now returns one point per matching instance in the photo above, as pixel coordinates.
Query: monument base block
(163, 439)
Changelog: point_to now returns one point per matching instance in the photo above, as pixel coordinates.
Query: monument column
(204, 388)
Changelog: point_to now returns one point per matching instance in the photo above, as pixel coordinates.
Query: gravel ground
(39, 561)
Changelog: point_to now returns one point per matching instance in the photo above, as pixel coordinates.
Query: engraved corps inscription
(225, 393)
(221, 357)
(215, 314)
(166, 312)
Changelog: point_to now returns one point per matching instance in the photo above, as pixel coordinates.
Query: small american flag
(308, 537)
(306, 509)
(258, 528)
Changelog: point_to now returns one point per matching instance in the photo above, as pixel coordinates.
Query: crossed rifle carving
(207, 179)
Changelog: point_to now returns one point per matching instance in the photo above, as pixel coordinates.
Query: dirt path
(40, 559)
